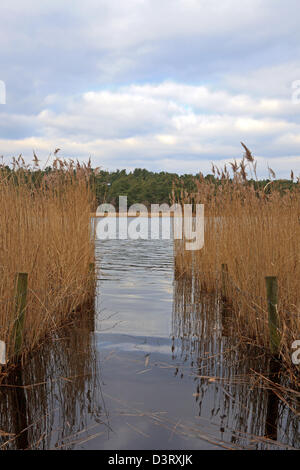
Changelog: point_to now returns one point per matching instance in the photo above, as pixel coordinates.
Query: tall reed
(255, 230)
(45, 231)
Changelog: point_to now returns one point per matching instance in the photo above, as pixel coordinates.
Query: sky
(167, 85)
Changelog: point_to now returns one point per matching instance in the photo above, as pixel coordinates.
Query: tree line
(141, 185)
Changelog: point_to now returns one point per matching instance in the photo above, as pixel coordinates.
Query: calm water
(155, 369)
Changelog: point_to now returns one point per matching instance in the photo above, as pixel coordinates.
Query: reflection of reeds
(45, 232)
(255, 230)
(249, 402)
(55, 400)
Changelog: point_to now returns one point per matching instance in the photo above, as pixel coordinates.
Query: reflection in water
(51, 402)
(272, 416)
(19, 407)
(242, 406)
(172, 374)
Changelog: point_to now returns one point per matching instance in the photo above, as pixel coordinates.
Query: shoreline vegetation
(251, 233)
(145, 187)
(46, 236)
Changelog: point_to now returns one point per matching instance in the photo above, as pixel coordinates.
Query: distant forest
(140, 185)
(146, 187)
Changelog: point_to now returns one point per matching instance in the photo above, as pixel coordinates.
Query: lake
(156, 367)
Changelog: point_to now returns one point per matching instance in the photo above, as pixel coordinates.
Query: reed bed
(255, 230)
(251, 390)
(45, 231)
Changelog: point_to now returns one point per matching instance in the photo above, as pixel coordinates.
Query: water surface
(156, 368)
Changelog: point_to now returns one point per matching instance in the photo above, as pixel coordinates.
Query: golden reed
(45, 229)
(255, 230)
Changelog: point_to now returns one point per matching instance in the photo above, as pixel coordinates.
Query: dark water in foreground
(156, 369)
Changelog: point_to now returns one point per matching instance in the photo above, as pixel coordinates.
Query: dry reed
(255, 230)
(45, 231)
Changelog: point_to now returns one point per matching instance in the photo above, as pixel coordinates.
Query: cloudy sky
(162, 84)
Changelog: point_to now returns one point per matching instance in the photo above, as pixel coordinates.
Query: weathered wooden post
(274, 322)
(224, 282)
(21, 283)
(92, 268)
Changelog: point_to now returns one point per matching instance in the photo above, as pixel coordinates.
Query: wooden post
(92, 268)
(274, 322)
(224, 282)
(20, 305)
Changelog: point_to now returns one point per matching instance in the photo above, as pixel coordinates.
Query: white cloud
(160, 127)
(272, 81)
